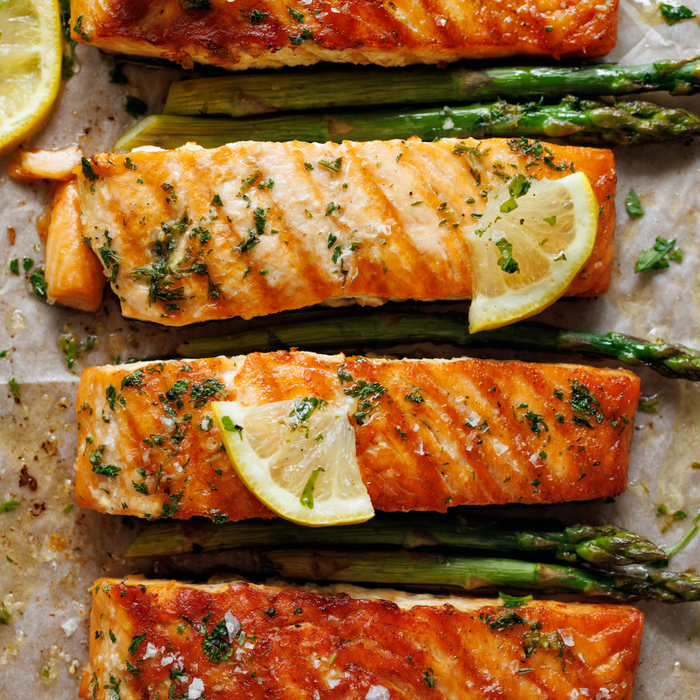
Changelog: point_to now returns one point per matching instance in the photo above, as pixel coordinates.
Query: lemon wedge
(532, 241)
(30, 67)
(298, 458)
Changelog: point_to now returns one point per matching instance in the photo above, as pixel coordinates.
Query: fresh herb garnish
(303, 409)
(257, 17)
(307, 495)
(675, 13)
(659, 256)
(216, 645)
(633, 205)
(506, 262)
(334, 165)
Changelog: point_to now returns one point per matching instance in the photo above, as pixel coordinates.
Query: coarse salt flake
(196, 689)
(70, 625)
(377, 692)
(498, 447)
(233, 626)
(151, 651)
(474, 419)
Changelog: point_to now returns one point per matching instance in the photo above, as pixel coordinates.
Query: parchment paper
(51, 550)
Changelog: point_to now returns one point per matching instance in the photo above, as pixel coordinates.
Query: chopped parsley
(96, 457)
(232, 427)
(334, 165)
(414, 396)
(368, 395)
(659, 256)
(205, 390)
(536, 422)
(9, 506)
(88, 171)
(303, 409)
(216, 645)
(633, 205)
(307, 495)
(295, 14)
(257, 17)
(299, 39)
(134, 106)
(517, 187)
(116, 75)
(673, 14)
(79, 30)
(506, 262)
(584, 402)
(135, 641)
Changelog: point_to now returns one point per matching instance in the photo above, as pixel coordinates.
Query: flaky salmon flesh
(430, 434)
(269, 34)
(250, 228)
(162, 639)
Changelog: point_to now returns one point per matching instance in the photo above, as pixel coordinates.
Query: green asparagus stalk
(621, 123)
(674, 361)
(471, 573)
(245, 95)
(606, 545)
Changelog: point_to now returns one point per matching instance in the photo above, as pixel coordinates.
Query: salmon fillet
(434, 433)
(165, 639)
(251, 228)
(269, 34)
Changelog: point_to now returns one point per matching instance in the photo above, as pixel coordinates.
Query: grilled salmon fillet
(251, 228)
(163, 639)
(268, 34)
(429, 433)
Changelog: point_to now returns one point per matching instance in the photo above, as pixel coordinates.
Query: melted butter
(636, 305)
(689, 676)
(647, 11)
(678, 483)
(16, 322)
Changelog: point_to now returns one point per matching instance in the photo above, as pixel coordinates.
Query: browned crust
(298, 260)
(372, 642)
(412, 456)
(354, 31)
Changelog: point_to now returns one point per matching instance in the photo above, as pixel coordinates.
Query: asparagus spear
(583, 121)
(675, 361)
(245, 95)
(470, 573)
(606, 545)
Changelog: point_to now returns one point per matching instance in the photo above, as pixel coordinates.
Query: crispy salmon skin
(250, 229)
(429, 433)
(165, 639)
(269, 34)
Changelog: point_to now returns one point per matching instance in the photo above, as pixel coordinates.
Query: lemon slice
(30, 67)
(298, 458)
(532, 241)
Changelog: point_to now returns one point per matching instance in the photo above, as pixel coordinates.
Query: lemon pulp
(529, 247)
(298, 458)
(30, 67)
